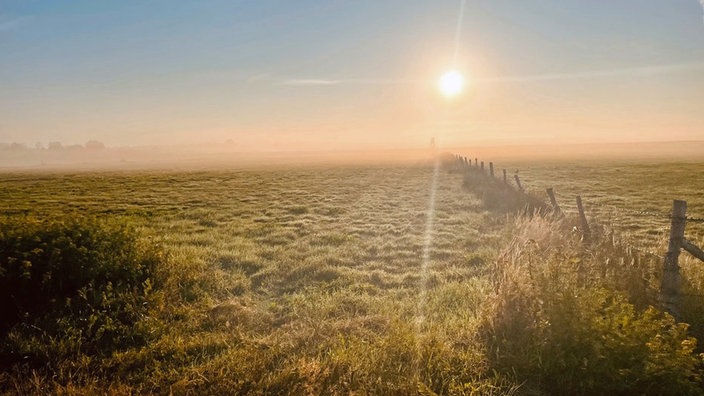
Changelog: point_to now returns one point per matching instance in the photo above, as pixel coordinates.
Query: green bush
(71, 285)
(565, 328)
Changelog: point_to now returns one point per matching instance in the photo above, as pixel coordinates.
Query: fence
(671, 277)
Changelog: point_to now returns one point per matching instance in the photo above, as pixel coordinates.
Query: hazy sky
(284, 75)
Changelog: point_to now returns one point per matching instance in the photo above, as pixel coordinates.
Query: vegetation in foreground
(312, 281)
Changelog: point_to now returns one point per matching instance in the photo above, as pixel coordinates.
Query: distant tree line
(54, 146)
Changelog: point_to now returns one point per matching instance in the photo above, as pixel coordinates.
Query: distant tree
(95, 145)
(38, 145)
(18, 146)
(55, 146)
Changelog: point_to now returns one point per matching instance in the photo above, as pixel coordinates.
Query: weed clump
(500, 197)
(570, 321)
(70, 287)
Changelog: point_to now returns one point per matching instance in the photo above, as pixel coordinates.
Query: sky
(342, 75)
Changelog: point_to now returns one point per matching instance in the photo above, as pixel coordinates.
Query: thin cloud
(377, 81)
(310, 82)
(641, 71)
(349, 81)
(633, 71)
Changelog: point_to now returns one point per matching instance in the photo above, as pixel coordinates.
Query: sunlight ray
(427, 243)
(458, 32)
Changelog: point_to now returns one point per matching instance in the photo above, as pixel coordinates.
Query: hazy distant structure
(432, 143)
(95, 145)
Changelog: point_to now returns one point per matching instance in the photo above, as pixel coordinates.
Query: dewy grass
(307, 280)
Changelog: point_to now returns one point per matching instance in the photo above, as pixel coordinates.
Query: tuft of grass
(500, 197)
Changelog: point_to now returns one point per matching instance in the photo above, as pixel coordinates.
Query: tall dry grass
(571, 318)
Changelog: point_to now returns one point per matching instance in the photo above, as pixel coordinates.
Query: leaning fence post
(693, 249)
(518, 182)
(670, 283)
(505, 181)
(491, 169)
(583, 220)
(553, 201)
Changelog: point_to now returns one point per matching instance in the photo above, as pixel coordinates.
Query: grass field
(376, 279)
(615, 192)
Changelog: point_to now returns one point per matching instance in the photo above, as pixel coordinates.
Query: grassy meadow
(406, 279)
(633, 196)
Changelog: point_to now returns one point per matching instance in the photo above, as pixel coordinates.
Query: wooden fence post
(491, 169)
(518, 182)
(583, 220)
(670, 283)
(476, 164)
(505, 181)
(553, 201)
(482, 168)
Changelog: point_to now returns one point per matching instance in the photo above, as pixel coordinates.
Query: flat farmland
(346, 222)
(362, 279)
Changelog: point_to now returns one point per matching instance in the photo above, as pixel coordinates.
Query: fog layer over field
(216, 155)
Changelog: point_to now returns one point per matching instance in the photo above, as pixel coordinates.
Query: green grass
(310, 281)
(616, 193)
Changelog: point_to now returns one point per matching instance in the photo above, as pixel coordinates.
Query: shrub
(71, 285)
(499, 197)
(566, 328)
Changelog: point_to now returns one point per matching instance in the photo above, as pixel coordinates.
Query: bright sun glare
(451, 83)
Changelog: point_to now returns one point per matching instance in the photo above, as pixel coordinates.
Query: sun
(451, 83)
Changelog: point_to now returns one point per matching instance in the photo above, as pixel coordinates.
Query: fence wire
(644, 213)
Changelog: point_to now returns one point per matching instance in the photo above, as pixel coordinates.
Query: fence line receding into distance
(671, 277)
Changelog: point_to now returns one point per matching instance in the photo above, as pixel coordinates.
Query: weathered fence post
(583, 220)
(482, 167)
(505, 181)
(670, 283)
(476, 163)
(491, 169)
(518, 182)
(553, 201)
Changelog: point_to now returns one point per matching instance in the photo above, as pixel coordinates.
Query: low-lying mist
(209, 156)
